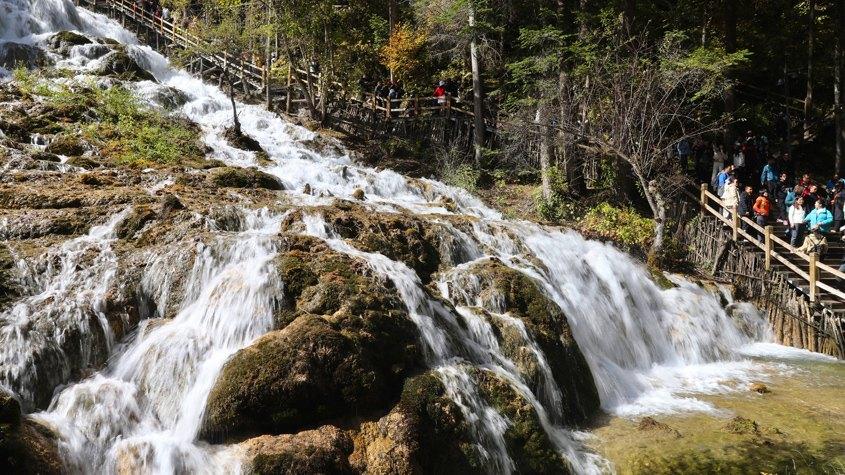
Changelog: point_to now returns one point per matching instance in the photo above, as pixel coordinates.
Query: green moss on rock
(546, 323)
(527, 442)
(66, 144)
(235, 177)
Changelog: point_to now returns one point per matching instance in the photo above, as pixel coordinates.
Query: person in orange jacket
(761, 210)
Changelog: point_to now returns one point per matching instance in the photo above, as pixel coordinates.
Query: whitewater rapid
(650, 350)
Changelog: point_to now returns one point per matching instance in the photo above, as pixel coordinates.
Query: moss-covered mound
(401, 237)
(63, 41)
(25, 446)
(119, 64)
(323, 450)
(236, 177)
(425, 433)
(548, 326)
(345, 347)
(527, 442)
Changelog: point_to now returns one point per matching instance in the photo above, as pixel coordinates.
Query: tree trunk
(306, 92)
(392, 20)
(838, 93)
(477, 106)
(811, 39)
(268, 100)
(659, 210)
(545, 151)
(236, 124)
(629, 11)
(729, 31)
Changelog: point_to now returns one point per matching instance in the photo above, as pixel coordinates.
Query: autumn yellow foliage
(404, 51)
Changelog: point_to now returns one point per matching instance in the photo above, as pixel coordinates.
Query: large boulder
(119, 64)
(323, 450)
(503, 290)
(345, 347)
(236, 177)
(26, 447)
(528, 444)
(303, 375)
(414, 241)
(63, 41)
(13, 55)
(425, 433)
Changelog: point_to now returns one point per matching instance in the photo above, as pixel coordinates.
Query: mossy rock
(308, 373)
(522, 298)
(527, 442)
(87, 163)
(443, 441)
(242, 141)
(236, 177)
(119, 64)
(9, 289)
(135, 221)
(63, 41)
(25, 446)
(66, 144)
(46, 157)
(323, 450)
(13, 55)
(401, 237)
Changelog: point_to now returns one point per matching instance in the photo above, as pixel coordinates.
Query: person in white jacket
(795, 216)
(730, 197)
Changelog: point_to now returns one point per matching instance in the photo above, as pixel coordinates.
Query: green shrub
(463, 176)
(621, 225)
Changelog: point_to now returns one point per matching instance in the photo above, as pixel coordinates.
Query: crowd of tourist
(762, 187)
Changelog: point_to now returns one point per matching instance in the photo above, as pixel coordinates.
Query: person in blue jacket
(820, 218)
(769, 178)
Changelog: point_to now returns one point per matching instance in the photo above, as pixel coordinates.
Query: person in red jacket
(440, 93)
(761, 208)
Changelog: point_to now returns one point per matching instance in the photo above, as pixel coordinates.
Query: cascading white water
(649, 349)
(143, 411)
(63, 300)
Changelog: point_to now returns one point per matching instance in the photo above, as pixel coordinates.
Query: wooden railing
(259, 75)
(811, 273)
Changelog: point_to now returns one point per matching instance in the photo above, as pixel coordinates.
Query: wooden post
(703, 188)
(813, 274)
(735, 222)
(767, 233)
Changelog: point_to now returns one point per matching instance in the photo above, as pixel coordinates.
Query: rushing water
(650, 350)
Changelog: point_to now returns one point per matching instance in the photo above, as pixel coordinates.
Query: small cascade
(142, 413)
(53, 330)
(456, 343)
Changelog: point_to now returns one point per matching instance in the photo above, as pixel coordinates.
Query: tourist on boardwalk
(795, 225)
(820, 219)
(769, 178)
(762, 207)
(722, 178)
(837, 202)
(814, 242)
(811, 195)
(683, 149)
(785, 197)
(440, 93)
(719, 158)
(746, 203)
(730, 197)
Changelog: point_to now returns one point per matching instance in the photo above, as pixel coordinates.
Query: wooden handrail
(814, 266)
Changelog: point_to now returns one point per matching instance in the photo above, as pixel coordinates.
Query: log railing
(811, 272)
(408, 107)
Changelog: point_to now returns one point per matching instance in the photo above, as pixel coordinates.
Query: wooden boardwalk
(818, 278)
(253, 78)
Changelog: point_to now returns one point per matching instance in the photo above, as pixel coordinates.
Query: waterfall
(143, 411)
(649, 349)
